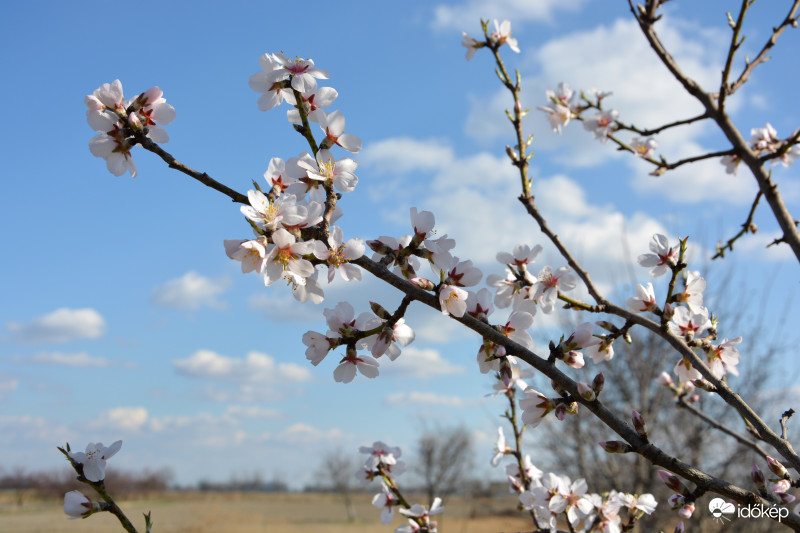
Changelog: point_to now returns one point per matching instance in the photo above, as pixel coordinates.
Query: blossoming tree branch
(292, 217)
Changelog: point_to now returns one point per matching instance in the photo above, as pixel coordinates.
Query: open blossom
(522, 255)
(386, 501)
(645, 299)
(692, 294)
(251, 253)
(453, 300)
(731, 163)
(267, 213)
(570, 499)
(351, 362)
(764, 139)
(333, 125)
(500, 447)
(313, 104)
(285, 259)
(686, 321)
(601, 123)
(563, 95)
(550, 284)
(94, 459)
(471, 44)
(723, 359)
(662, 257)
(112, 116)
(557, 115)
(644, 147)
(338, 255)
(266, 81)
(303, 73)
(502, 35)
(327, 169)
(535, 407)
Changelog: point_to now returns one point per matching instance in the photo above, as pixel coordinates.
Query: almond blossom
(550, 284)
(686, 322)
(662, 258)
(502, 35)
(346, 371)
(521, 256)
(535, 407)
(338, 255)
(333, 126)
(313, 104)
(302, 72)
(453, 300)
(645, 299)
(266, 81)
(644, 147)
(723, 359)
(327, 169)
(94, 458)
(285, 259)
(557, 115)
(601, 123)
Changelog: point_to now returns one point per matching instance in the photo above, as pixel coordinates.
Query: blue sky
(115, 289)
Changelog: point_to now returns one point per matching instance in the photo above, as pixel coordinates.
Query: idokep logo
(719, 508)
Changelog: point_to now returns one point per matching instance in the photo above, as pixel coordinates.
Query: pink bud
(422, 283)
(671, 481)
(758, 478)
(638, 424)
(777, 468)
(679, 528)
(665, 379)
(598, 383)
(379, 311)
(586, 392)
(687, 511)
(615, 446)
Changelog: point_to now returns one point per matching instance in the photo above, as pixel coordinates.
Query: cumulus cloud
(7, 386)
(418, 363)
(466, 16)
(254, 367)
(61, 325)
(419, 398)
(191, 291)
(122, 418)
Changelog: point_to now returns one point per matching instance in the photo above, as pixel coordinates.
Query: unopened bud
(687, 511)
(777, 468)
(572, 408)
(679, 528)
(561, 411)
(608, 326)
(676, 501)
(615, 446)
(704, 384)
(379, 311)
(422, 283)
(665, 379)
(672, 482)
(598, 383)
(638, 424)
(512, 153)
(586, 392)
(758, 478)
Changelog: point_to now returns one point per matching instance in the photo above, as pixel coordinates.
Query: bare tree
(337, 471)
(444, 460)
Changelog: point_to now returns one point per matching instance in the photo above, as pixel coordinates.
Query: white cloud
(417, 398)
(466, 16)
(122, 418)
(279, 305)
(79, 359)
(251, 411)
(420, 364)
(61, 325)
(191, 291)
(254, 367)
(304, 433)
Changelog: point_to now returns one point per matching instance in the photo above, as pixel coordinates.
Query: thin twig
(721, 427)
(746, 227)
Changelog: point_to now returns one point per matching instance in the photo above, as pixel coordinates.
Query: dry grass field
(256, 512)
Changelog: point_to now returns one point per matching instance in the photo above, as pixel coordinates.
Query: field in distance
(207, 512)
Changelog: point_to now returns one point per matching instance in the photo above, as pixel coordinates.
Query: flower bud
(598, 383)
(572, 408)
(665, 379)
(758, 478)
(687, 511)
(76, 505)
(586, 392)
(615, 446)
(672, 482)
(379, 311)
(422, 283)
(679, 528)
(777, 468)
(676, 501)
(638, 424)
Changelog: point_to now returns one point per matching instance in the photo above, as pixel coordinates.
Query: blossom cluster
(764, 142)
(382, 463)
(118, 120)
(549, 496)
(91, 464)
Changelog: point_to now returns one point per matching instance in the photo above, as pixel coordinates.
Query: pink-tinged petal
(102, 145)
(350, 142)
(345, 372)
(100, 120)
(325, 96)
(163, 113)
(268, 100)
(335, 123)
(158, 134)
(283, 238)
(368, 366)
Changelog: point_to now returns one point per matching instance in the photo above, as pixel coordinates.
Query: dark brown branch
(149, 145)
(654, 131)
